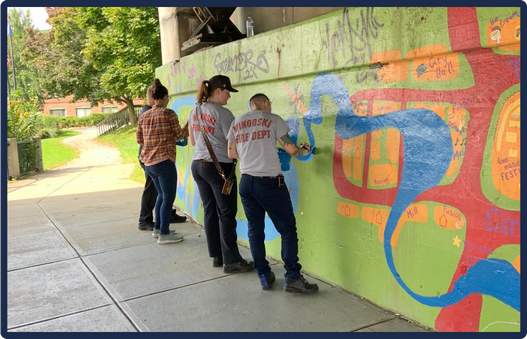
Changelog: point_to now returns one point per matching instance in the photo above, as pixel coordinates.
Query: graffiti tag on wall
(247, 63)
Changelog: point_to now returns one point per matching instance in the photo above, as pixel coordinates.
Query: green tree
(58, 57)
(124, 44)
(26, 74)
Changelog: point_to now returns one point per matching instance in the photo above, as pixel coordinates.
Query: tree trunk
(131, 111)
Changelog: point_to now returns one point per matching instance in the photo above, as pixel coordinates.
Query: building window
(60, 112)
(83, 112)
(109, 109)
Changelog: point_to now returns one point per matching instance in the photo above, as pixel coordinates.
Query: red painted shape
(492, 76)
(460, 323)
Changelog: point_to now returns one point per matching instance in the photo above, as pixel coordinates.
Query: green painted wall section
(439, 261)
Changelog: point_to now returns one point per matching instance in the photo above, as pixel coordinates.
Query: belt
(258, 176)
(203, 160)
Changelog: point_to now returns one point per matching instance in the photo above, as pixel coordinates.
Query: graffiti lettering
(495, 222)
(371, 73)
(242, 62)
(353, 37)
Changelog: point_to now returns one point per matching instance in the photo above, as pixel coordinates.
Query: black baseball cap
(221, 81)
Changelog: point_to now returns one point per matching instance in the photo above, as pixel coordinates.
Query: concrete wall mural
(412, 199)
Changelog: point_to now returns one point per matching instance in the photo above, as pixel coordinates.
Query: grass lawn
(124, 140)
(54, 154)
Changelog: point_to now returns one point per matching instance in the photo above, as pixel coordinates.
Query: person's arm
(191, 134)
(292, 149)
(139, 135)
(231, 150)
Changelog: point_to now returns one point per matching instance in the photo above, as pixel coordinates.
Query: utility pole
(9, 34)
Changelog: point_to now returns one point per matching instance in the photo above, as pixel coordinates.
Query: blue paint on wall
(427, 155)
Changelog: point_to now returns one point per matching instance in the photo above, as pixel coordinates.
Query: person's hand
(184, 129)
(306, 146)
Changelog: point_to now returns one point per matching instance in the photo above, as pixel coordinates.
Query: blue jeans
(164, 176)
(260, 195)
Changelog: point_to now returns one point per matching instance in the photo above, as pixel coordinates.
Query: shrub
(21, 117)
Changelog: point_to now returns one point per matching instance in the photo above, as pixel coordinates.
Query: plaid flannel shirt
(158, 130)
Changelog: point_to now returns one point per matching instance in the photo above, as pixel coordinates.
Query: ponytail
(158, 90)
(204, 91)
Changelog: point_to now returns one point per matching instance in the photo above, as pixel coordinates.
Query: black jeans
(148, 200)
(219, 210)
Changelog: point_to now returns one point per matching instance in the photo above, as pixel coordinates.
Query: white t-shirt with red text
(255, 134)
(216, 121)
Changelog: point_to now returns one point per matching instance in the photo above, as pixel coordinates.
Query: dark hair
(205, 91)
(158, 90)
(258, 99)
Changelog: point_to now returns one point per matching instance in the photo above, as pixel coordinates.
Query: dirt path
(92, 152)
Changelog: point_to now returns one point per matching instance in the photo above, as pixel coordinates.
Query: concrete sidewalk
(77, 262)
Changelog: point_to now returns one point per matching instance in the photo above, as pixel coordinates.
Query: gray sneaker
(169, 238)
(155, 233)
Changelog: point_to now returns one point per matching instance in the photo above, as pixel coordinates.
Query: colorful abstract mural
(412, 197)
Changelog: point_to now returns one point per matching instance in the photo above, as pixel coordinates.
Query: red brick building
(81, 108)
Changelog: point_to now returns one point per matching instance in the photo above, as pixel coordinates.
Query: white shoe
(155, 233)
(169, 238)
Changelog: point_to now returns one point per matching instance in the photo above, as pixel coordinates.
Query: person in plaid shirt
(158, 130)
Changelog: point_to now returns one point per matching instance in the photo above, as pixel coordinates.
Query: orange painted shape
(449, 218)
(457, 117)
(516, 264)
(346, 164)
(361, 109)
(420, 105)
(393, 138)
(376, 134)
(347, 144)
(348, 210)
(432, 63)
(377, 217)
(436, 68)
(357, 162)
(382, 175)
(452, 169)
(375, 150)
(505, 158)
(416, 213)
(384, 107)
(439, 110)
(395, 70)
(505, 31)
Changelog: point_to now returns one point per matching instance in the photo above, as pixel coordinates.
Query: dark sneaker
(217, 262)
(147, 226)
(176, 218)
(299, 286)
(238, 267)
(267, 282)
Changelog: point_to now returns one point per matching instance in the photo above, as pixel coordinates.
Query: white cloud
(38, 16)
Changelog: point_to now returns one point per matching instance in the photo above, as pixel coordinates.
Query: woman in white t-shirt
(219, 209)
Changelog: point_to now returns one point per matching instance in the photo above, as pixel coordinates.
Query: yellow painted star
(456, 241)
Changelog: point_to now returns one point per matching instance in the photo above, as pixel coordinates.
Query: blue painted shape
(181, 189)
(427, 156)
